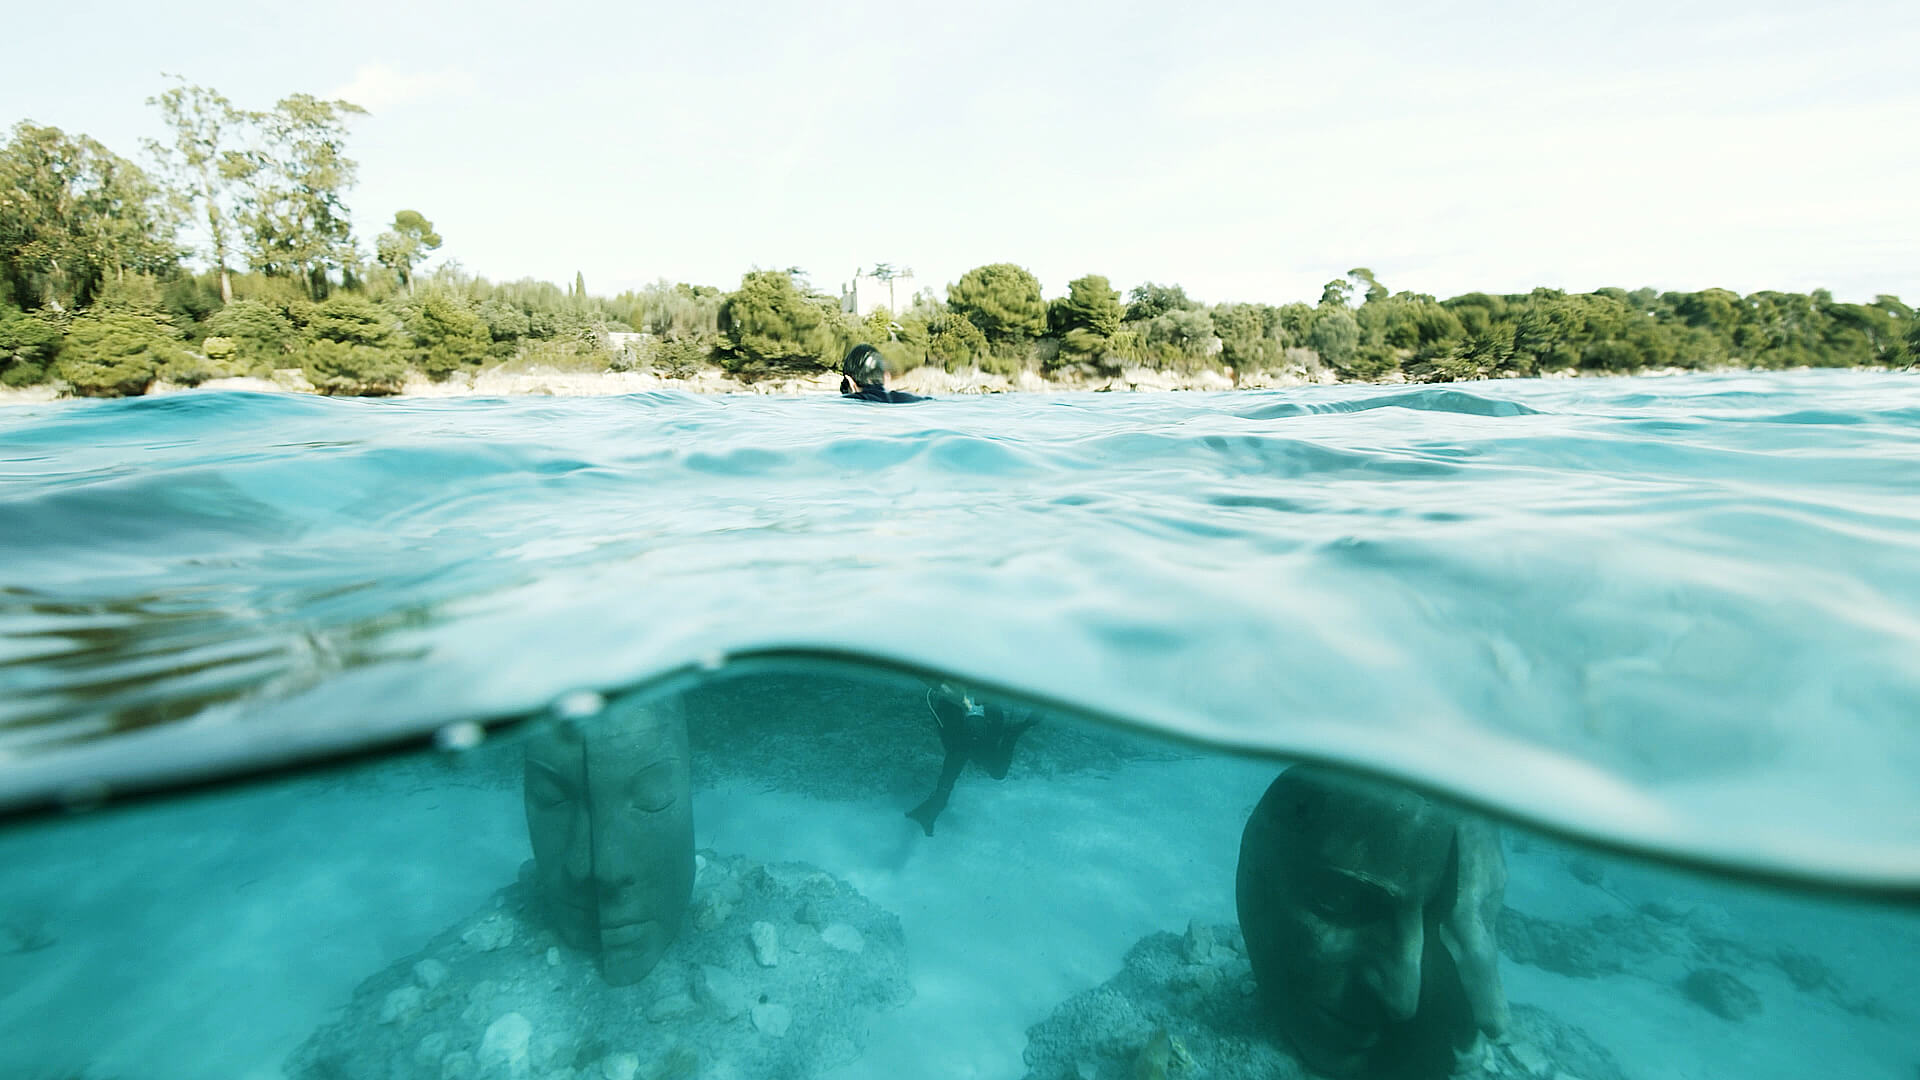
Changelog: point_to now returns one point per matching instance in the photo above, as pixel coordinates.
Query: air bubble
(463, 735)
(579, 705)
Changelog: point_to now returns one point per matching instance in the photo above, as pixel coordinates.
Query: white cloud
(378, 86)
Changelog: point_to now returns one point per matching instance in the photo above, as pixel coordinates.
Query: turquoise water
(1675, 617)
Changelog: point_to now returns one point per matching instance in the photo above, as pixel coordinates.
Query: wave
(1633, 610)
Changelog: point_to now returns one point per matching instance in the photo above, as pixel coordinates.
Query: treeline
(96, 294)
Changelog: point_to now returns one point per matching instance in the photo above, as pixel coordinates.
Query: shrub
(115, 351)
(342, 369)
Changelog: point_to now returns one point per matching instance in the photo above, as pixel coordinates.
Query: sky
(1246, 151)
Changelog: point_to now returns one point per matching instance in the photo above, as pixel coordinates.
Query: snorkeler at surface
(863, 377)
(981, 734)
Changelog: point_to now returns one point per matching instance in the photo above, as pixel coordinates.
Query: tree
(74, 215)
(292, 212)
(1091, 304)
(1150, 301)
(1085, 319)
(1336, 293)
(768, 322)
(888, 273)
(28, 345)
(405, 244)
(448, 333)
(338, 368)
(1002, 300)
(1362, 278)
(1334, 335)
(201, 163)
(121, 344)
(260, 334)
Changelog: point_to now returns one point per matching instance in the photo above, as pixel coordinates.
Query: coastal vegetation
(99, 293)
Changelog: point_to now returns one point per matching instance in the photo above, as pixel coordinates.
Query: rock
(1721, 993)
(457, 1066)
(766, 943)
(489, 934)
(1197, 946)
(430, 1052)
(844, 938)
(809, 914)
(1528, 1057)
(710, 911)
(429, 973)
(720, 990)
(553, 956)
(619, 1066)
(401, 1005)
(772, 1020)
(503, 1049)
(671, 1007)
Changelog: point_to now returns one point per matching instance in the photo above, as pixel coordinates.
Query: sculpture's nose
(1394, 974)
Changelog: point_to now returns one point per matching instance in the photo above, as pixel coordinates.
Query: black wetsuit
(875, 393)
(985, 739)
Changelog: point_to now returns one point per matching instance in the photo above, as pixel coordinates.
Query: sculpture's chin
(629, 952)
(1330, 1045)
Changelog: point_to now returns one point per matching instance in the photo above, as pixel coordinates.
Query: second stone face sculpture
(1369, 914)
(610, 813)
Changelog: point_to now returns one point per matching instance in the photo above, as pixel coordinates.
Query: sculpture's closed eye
(654, 788)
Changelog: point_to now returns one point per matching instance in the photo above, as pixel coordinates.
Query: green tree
(448, 333)
(768, 323)
(1091, 305)
(74, 215)
(401, 247)
(261, 336)
(202, 163)
(954, 341)
(121, 344)
(292, 209)
(1149, 301)
(1002, 300)
(351, 320)
(28, 346)
(340, 368)
(1363, 279)
(1335, 335)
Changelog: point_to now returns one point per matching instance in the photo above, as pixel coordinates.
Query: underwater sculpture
(982, 734)
(1369, 914)
(610, 813)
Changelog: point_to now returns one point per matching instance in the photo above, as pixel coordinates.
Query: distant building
(867, 292)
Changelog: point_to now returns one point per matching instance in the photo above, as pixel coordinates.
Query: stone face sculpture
(1369, 914)
(610, 813)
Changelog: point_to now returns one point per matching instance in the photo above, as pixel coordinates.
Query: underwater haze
(1664, 629)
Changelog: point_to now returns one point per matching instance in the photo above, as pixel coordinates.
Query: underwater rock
(503, 1049)
(771, 1019)
(401, 1005)
(1655, 938)
(1577, 951)
(766, 944)
(843, 937)
(505, 1013)
(429, 974)
(1721, 993)
(1160, 1016)
(1197, 946)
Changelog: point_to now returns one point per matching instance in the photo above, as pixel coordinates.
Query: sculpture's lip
(1349, 1033)
(628, 934)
